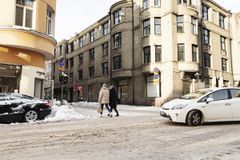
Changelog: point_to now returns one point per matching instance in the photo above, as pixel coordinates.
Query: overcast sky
(75, 15)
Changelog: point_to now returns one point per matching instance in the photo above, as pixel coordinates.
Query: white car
(206, 105)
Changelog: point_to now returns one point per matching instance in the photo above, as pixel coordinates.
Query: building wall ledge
(28, 39)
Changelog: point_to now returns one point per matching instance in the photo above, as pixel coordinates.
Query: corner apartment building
(151, 50)
(26, 41)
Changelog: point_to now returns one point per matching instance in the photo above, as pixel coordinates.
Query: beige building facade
(151, 51)
(26, 41)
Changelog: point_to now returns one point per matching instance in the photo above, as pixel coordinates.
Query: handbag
(99, 108)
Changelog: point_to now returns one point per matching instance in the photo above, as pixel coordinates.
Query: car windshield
(195, 94)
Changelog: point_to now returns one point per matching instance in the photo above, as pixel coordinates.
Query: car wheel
(31, 116)
(194, 118)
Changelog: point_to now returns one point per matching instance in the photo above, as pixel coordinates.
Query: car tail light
(47, 105)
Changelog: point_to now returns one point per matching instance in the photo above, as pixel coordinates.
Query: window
(180, 24)
(157, 2)
(205, 12)
(147, 55)
(80, 58)
(157, 25)
(194, 25)
(205, 36)
(71, 47)
(117, 62)
(182, 1)
(80, 74)
(105, 28)
(221, 20)
(224, 64)
(66, 65)
(91, 54)
(207, 60)
(81, 42)
(145, 4)
(117, 40)
(181, 54)
(71, 62)
(146, 27)
(70, 77)
(235, 93)
(223, 43)
(219, 95)
(158, 53)
(24, 13)
(90, 92)
(91, 71)
(105, 68)
(92, 35)
(153, 89)
(117, 17)
(194, 53)
(49, 24)
(105, 48)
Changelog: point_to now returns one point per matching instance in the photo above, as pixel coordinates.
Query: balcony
(28, 40)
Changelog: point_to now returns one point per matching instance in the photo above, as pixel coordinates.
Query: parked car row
(20, 107)
(206, 105)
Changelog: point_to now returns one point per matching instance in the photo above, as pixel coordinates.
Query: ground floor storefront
(21, 79)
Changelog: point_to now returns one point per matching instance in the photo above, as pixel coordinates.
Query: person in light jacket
(103, 98)
(113, 100)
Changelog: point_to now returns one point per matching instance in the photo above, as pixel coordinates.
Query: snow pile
(63, 113)
(86, 104)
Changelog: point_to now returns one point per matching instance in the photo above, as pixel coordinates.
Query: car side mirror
(209, 100)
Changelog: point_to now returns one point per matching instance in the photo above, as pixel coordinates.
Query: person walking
(113, 100)
(103, 99)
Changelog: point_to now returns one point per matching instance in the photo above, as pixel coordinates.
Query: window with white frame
(105, 68)
(49, 24)
(24, 13)
(117, 40)
(180, 24)
(116, 17)
(158, 53)
(194, 25)
(205, 36)
(105, 27)
(157, 25)
(223, 43)
(205, 12)
(221, 20)
(81, 42)
(92, 36)
(181, 52)
(105, 48)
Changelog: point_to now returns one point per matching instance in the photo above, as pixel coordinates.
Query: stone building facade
(151, 51)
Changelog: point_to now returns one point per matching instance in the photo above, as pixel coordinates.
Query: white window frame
(25, 8)
(51, 19)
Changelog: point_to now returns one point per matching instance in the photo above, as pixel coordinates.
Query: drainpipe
(110, 46)
(133, 55)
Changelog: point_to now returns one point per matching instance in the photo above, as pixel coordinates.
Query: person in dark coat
(113, 100)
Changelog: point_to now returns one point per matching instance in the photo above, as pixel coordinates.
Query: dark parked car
(19, 107)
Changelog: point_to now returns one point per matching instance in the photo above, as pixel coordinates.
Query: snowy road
(138, 134)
